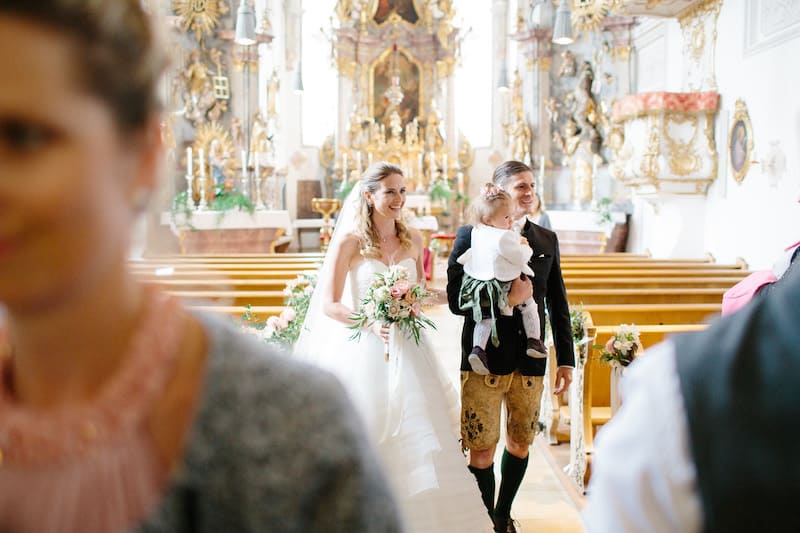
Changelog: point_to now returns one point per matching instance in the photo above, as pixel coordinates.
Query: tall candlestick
(189, 160)
(244, 162)
(444, 166)
(201, 160)
(460, 181)
(344, 166)
(258, 164)
(369, 159)
(541, 171)
(358, 162)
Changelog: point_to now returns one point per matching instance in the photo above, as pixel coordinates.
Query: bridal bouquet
(284, 329)
(392, 299)
(621, 348)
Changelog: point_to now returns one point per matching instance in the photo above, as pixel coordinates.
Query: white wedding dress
(412, 412)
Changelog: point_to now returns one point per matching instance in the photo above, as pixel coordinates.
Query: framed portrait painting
(740, 142)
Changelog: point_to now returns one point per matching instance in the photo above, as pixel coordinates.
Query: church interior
(651, 127)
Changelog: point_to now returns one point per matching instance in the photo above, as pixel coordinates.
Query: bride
(409, 404)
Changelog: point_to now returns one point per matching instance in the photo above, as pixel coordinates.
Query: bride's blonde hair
(365, 228)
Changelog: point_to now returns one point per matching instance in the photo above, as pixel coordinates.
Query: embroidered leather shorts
(481, 400)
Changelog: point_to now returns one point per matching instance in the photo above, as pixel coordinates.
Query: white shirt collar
(519, 224)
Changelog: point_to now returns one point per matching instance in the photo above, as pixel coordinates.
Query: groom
(515, 378)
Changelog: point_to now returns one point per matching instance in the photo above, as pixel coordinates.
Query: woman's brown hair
(117, 55)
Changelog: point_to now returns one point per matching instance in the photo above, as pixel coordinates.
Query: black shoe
(479, 361)
(506, 525)
(536, 349)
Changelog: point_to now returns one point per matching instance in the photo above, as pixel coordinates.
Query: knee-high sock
(530, 318)
(480, 335)
(485, 477)
(513, 470)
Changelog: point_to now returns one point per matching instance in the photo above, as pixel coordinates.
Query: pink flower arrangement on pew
(392, 299)
(621, 348)
(284, 329)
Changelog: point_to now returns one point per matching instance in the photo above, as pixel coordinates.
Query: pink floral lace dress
(91, 467)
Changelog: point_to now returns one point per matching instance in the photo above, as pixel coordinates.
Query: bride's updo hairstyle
(370, 240)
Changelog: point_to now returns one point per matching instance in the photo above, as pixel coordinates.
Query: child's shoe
(536, 349)
(479, 361)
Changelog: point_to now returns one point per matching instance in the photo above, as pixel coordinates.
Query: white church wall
(757, 43)
(754, 220)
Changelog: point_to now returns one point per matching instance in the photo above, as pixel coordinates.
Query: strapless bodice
(363, 273)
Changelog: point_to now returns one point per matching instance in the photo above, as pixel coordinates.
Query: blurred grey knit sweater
(276, 446)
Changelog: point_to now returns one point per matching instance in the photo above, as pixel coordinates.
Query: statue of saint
(273, 86)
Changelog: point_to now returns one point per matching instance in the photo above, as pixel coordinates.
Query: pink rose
(400, 287)
(288, 314)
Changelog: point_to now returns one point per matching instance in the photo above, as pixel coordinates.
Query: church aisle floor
(543, 504)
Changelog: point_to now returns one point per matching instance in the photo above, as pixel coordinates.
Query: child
(496, 258)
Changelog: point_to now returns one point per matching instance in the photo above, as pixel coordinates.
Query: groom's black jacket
(548, 288)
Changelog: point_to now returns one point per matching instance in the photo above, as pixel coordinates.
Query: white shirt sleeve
(643, 475)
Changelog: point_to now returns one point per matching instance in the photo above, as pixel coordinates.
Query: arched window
(320, 86)
(473, 83)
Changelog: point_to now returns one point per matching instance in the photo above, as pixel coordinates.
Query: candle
(358, 161)
(244, 161)
(460, 181)
(201, 160)
(258, 165)
(188, 160)
(369, 159)
(444, 166)
(344, 165)
(541, 170)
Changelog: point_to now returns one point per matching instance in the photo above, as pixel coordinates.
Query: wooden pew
(643, 265)
(187, 267)
(201, 284)
(235, 257)
(658, 314)
(233, 297)
(651, 295)
(235, 311)
(592, 394)
(615, 256)
(652, 272)
(221, 275)
(579, 282)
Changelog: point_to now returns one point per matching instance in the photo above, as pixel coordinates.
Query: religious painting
(403, 8)
(740, 142)
(409, 79)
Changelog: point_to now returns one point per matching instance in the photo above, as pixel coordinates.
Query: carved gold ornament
(217, 146)
(200, 16)
(683, 159)
(740, 142)
(587, 15)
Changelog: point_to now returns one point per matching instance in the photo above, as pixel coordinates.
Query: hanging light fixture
(245, 24)
(298, 77)
(297, 82)
(502, 79)
(562, 29)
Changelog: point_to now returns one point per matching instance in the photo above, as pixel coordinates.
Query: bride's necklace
(383, 238)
